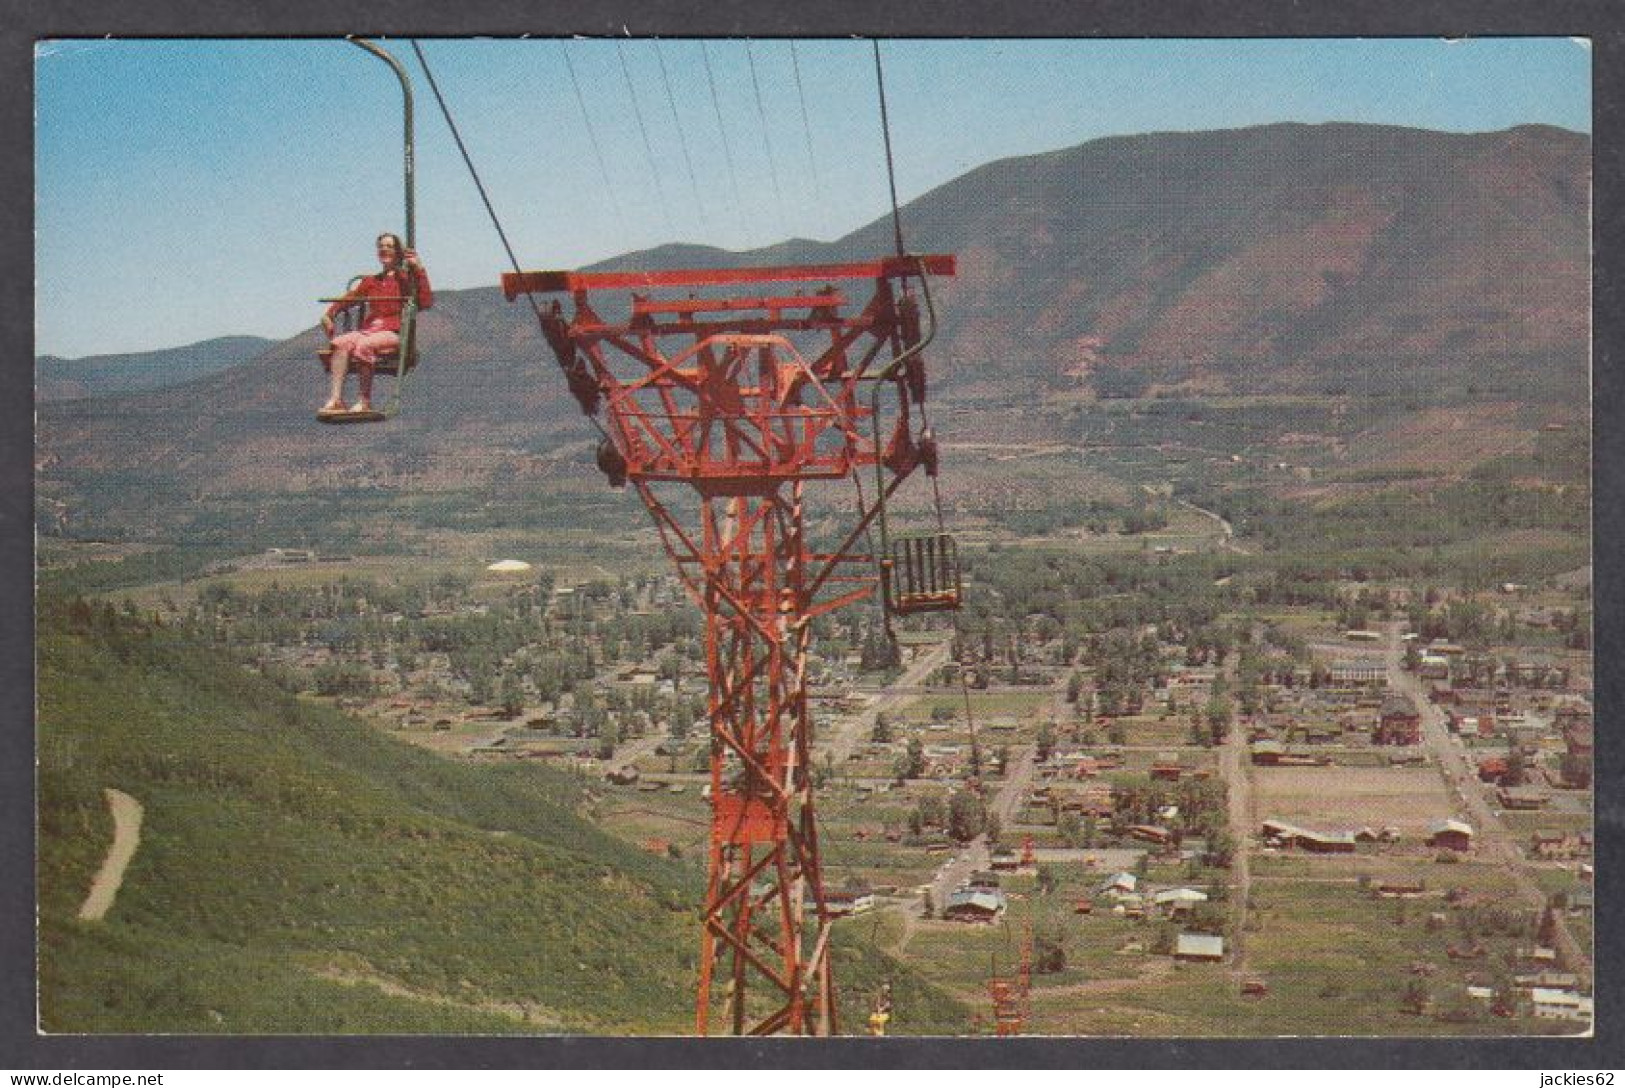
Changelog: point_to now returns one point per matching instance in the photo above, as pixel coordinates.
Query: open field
(1343, 798)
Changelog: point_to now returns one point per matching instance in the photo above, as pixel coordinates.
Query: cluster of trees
(962, 817)
(522, 648)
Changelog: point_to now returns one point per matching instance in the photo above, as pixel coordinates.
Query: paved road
(1493, 841)
(1018, 780)
(850, 732)
(1234, 766)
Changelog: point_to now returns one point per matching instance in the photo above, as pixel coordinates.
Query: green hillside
(299, 872)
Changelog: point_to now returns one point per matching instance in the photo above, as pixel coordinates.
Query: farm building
(1199, 946)
(1451, 835)
(1318, 842)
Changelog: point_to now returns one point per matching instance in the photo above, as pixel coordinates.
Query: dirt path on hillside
(110, 877)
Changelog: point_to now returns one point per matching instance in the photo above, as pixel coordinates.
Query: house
(1005, 860)
(1521, 798)
(1579, 734)
(1151, 833)
(1550, 845)
(975, 905)
(1451, 835)
(1267, 753)
(1433, 667)
(1490, 769)
(852, 899)
(1561, 1005)
(1358, 674)
(1166, 768)
(1399, 722)
(1174, 901)
(1119, 885)
(1203, 947)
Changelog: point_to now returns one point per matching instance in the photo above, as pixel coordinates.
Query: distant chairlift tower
(714, 393)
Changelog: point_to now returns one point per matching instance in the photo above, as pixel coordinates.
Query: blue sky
(191, 189)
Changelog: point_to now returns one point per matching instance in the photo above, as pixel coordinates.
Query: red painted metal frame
(744, 416)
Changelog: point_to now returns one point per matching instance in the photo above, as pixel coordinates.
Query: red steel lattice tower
(746, 400)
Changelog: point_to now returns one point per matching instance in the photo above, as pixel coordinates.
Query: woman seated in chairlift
(380, 331)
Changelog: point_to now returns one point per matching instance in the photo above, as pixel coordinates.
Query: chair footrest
(370, 416)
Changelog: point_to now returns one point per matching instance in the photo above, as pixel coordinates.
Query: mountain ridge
(1341, 259)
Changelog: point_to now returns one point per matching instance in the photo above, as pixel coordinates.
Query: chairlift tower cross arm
(724, 393)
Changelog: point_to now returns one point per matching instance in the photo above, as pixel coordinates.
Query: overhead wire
(682, 137)
(767, 142)
(722, 127)
(936, 491)
(806, 125)
(648, 148)
(891, 169)
(592, 138)
(490, 209)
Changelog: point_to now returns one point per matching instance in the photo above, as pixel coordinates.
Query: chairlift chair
(394, 364)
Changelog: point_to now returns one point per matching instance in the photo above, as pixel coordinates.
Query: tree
(1576, 770)
(1163, 942)
(1048, 880)
(967, 816)
(1070, 828)
(881, 734)
(1221, 848)
(1517, 772)
(1046, 740)
(1049, 951)
(1546, 933)
(609, 735)
(512, 695)
(1415, 997)
(912, 763)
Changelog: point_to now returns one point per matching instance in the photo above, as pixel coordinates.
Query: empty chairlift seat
(922, 575)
